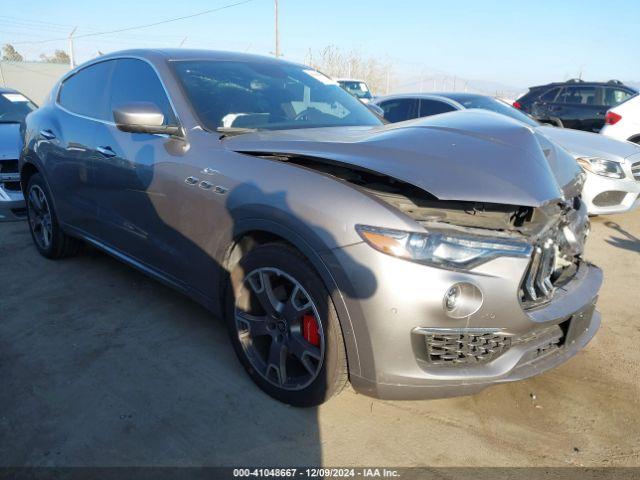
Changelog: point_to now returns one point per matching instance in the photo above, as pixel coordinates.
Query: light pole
(72, 62)
(277, 32)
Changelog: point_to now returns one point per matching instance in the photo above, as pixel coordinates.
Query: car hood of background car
(588, 144)
(464, 155)
(10, 141)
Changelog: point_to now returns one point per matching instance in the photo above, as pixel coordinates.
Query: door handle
(48, 134)
(106, 151)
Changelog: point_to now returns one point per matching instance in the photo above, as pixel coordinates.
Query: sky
(513, 43)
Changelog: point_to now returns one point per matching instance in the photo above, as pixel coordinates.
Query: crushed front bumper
(391, 324)
(12, 205)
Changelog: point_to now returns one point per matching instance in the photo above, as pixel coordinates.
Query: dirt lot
(101, 366)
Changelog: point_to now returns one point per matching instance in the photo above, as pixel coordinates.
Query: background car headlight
(440, 248)
(600, 166)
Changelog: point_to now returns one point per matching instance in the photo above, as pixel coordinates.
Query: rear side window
(579, 95)
(400, 109)
(136, 81)
(615, 96)
(434, 107)
(85, 93)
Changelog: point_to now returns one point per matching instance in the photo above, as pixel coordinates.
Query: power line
(205, 12)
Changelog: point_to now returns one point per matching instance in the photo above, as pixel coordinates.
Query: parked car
(575, 103)
(14, 107)
(426, 259)
(357, 88)
(623, 121)
(612, 166)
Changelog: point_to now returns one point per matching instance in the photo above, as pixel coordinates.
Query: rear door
(579, 107)
(67, 132)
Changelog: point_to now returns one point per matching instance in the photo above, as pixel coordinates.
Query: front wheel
(284, 327)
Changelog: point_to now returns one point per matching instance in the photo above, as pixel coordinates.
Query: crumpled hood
(10, 141)
(465, 155)
(588, 144)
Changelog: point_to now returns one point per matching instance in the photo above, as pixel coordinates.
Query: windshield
(357, 89)
(14, 107)
(494, 105)
(265, 95)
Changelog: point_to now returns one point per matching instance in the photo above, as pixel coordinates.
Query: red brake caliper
(310, 330)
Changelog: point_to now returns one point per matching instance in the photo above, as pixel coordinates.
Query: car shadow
(106, 367)
(627, 241)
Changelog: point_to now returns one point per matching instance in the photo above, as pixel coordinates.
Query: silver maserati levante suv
(421, 259)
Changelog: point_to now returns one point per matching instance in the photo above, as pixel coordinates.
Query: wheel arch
(249, 233)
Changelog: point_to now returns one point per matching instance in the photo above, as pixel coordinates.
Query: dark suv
(575, 103)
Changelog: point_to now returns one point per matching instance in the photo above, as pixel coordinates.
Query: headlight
(600, 166)
(440, 248)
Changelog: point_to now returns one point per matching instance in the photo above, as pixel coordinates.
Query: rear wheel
(284, 327)
(47, 236)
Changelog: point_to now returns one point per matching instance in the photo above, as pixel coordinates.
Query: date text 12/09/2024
(315, 473)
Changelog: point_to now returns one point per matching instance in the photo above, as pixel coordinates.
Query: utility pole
(72, 62)
(277, 32)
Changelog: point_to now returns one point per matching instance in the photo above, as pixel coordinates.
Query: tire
(315, 365)
(46, 233)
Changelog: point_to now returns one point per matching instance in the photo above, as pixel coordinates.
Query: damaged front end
(555, 231)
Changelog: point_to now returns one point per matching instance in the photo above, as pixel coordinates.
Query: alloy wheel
(40, 217)
(279, 328)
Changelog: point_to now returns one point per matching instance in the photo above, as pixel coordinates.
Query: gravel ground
(100, 366)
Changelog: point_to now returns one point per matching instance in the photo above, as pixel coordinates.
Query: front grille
(555, 340)
(9, 175)
(8, 166)
(537, 285)
(464, 348)
(635, 170)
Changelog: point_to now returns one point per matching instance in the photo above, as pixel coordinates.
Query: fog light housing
(461, 300)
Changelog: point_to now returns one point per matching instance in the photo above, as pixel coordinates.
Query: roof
(7, 90)
(343, 79)
(578, 81)
(194, 54)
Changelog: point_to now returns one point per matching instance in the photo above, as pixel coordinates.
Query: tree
(59, 56)
(10, 54)
(335, 63)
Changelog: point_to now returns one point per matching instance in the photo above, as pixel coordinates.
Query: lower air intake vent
(464, 348)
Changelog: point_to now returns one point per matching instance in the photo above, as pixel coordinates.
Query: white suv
(623, 121)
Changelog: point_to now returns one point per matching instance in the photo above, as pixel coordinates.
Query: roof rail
(575, 80)
(615, 82)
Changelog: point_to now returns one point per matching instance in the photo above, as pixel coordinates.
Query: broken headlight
(600, 166)
(440, 248)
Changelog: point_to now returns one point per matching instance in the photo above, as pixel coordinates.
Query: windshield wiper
(233, 131)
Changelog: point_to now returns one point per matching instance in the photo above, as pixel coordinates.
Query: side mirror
(142, 117)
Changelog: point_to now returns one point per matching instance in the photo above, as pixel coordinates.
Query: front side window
(14, 107)
(357, 89)
(434, 107)
(264, 95)
(84, 92)
(400, 109)
(578, 95)
(135, 80)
